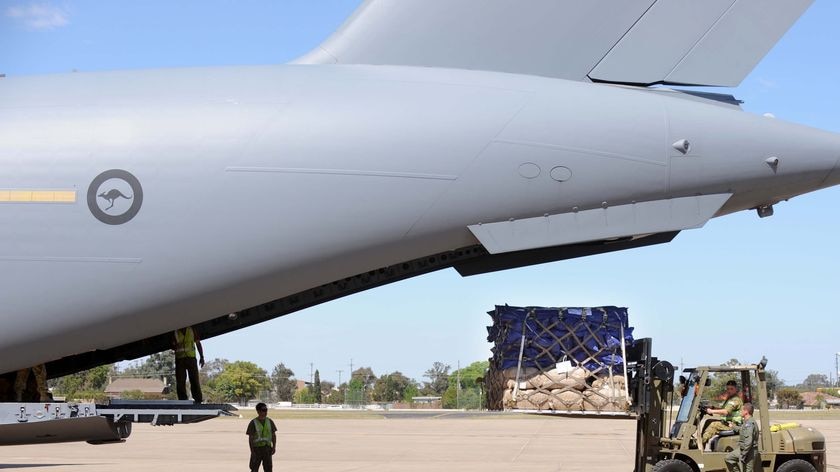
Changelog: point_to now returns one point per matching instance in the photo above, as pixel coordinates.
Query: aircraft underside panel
(598, 224)
(467, 261)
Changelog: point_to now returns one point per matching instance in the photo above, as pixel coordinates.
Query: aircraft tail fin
(643, 42)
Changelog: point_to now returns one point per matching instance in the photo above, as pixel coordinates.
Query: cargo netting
(559, 359)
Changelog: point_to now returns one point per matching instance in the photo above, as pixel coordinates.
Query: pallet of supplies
(558, 359)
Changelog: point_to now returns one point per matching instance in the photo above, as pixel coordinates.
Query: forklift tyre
(676, 465)
(796, 465)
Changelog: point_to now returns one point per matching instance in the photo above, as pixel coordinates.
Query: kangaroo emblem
(111, 196)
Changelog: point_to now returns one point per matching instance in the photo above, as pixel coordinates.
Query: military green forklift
(781, 448)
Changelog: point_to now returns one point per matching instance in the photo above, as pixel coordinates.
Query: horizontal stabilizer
(708, 42)
(599, 224)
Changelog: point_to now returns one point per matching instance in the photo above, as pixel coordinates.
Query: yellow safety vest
(263, 433)
(184, 344)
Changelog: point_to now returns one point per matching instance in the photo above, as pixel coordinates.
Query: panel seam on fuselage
(111, 260)
(472, 162)
(344, 172)
(607, 154)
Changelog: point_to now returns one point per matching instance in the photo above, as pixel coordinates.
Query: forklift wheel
(676, 465)
(796, 465)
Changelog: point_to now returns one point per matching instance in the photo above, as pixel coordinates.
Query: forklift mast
(651, 381)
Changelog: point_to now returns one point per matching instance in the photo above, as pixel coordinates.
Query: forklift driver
(731, 412)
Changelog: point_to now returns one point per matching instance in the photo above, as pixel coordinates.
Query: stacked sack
(582, 342)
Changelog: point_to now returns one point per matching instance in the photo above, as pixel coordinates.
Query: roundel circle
(115, 196)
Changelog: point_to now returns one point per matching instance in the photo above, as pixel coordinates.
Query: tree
(208, 376)
(241, 381)
(774, 383)
(438, 376)
(335, 397)
(316, 387)
(211, 370)
(366, 375)
(392, 387)
(461, 396)
(160, 365)
(283, 383)
(304, 396)
(327, 388)
(355, 393)
(410, 392)
(92, 380)
(834, 392)
(819, 400)
(790, 398)
(815, 381)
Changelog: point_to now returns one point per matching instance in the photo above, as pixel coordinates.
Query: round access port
(529, 170)
(561, 173)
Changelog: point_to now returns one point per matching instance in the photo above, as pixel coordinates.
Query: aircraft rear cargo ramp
(46, 423)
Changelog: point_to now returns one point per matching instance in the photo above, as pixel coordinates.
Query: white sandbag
(618, 382)
(604, 400)
(552, 379)
(566, 400)
(507, 399)
(579, 373)
(533, 400)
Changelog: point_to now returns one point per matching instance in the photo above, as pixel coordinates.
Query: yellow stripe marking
(37, 196)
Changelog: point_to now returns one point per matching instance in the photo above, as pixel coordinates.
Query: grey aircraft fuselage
(235, 186)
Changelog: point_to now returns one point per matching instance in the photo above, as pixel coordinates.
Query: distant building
(819, 401)
(152, 389)
(426, 402)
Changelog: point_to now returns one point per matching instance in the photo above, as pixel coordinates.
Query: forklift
(678, 448)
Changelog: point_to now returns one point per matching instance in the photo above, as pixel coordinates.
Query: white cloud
(38, 16)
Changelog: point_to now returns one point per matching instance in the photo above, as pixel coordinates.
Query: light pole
(339, 387)
(458, 389)
(837, 369)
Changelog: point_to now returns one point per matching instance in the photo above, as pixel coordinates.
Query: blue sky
(741, 287)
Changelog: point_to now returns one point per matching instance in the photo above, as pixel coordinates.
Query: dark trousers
(184, 366)
(261, 455)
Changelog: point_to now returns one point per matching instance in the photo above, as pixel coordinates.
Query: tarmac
(425, 442)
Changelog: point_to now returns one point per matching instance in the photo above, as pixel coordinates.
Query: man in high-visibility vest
(184, 342)
(731, 412)
(262, 438)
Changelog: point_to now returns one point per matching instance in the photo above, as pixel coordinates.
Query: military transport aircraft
(475, 134)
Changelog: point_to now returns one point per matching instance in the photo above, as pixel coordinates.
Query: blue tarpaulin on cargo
(590, 337)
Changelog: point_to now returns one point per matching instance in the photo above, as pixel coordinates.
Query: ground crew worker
(731, 411)
(262, 438)
(22, 380)
(743, 458)
(184, 342)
